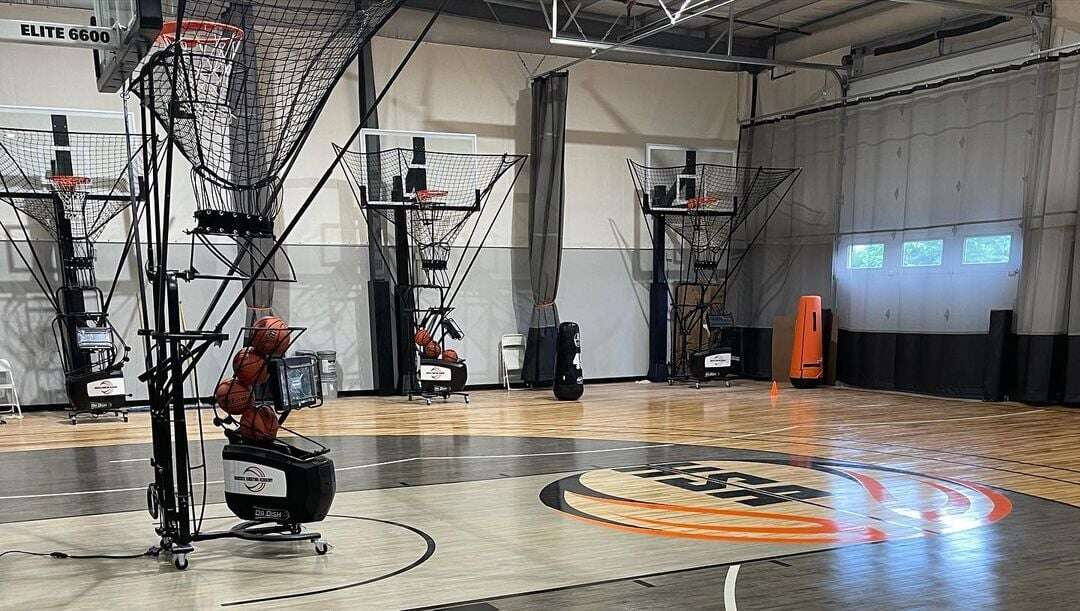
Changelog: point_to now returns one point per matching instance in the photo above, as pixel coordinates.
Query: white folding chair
(512, 356)
(9, 397)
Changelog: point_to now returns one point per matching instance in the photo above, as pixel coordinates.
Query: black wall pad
(950, 365)
(1039, 374)
(381, 302)
(995, 381)
(1072, 370)
(755, 348)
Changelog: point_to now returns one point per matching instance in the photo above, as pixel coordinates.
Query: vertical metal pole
(658, 305)
(406, 302)
(176, 374)
(731, 29)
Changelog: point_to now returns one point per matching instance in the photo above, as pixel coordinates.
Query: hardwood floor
(1027, 449)
(640, 495)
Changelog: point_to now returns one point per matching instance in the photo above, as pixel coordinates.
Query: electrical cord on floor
(66, 556)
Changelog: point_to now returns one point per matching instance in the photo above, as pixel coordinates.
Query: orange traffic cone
(775, 390)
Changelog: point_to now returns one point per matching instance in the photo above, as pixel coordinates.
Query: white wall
(614, 110)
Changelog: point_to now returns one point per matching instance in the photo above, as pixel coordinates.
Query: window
(922, 253)
(866, 256)
(987, 249)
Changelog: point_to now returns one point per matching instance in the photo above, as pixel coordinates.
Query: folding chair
(9, 397)
(512, 357)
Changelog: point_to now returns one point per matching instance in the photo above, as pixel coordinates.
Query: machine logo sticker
(434, 373)
(254, 479)
(786, 501)
(104, 388)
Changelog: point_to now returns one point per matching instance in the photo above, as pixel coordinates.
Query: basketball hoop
(426, 195)
(200, 34)
(206, 53)
(701, 202)
(68, 184)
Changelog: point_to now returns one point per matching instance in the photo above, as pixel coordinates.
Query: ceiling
(778, 29)
(781, 29)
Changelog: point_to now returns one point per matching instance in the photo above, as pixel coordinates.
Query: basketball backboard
(409, 155)
(688, 185)
(61, 123)
(138, 23)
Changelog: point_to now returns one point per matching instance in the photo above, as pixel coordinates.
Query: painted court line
(729, 588)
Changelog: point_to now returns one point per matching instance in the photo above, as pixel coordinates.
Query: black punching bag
(569, 383)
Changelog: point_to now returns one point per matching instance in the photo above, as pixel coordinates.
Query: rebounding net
(704, 204)
(88, 173)
(440, 193)
(239, 84)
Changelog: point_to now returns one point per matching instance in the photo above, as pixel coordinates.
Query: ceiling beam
(972, 7)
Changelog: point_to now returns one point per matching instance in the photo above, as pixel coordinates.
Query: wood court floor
(1034, 450)
(488, 487)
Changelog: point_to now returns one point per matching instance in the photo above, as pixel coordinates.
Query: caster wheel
(74, 422)
(321, 547)
(180, 561)
(727, 384)
(466, 400)
(671, 382)
(428, 401)
(697, 386)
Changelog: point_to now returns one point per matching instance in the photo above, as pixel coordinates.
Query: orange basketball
(432, 350)
(233, 397)
(259, 424)
(250, 367)
(422, 337)
(450, 355)
(271, 336)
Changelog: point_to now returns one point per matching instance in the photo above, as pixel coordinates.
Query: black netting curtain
(546, 192)
(917, 214)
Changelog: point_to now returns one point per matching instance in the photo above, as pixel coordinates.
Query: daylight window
(987, 249)
(923, 253)
(866, 256)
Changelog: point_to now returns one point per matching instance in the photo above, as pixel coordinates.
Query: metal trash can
(327, 371)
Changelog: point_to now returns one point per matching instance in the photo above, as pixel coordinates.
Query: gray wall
(604, 290)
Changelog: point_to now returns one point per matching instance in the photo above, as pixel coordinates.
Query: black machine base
(252, 530)
(441, 380)
(711, 365)
(277, 483)
(275, 488)
(97, 396)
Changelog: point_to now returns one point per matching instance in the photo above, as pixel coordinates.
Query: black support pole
(658, 305)
(405, 303)
(381, 306)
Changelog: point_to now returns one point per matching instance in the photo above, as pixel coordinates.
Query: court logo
(792, 501)
(254, 479)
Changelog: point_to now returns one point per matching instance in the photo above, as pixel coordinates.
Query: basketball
(432, 350)
(450, 355)
(259, 424)
(271, 336)
(233, 397)
(250, 368)
(422, 337)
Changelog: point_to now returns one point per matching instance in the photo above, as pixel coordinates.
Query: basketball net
(208, 50)
(205, 51)
(72, 191)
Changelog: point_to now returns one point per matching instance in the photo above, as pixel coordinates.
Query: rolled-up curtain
(545, 224)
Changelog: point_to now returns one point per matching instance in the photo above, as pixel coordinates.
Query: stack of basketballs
(236, 395)
(431, 348)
